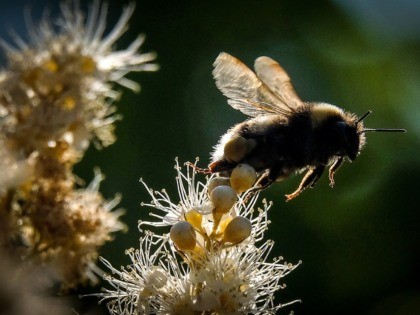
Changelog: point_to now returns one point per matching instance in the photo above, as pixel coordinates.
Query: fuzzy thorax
(322, 111)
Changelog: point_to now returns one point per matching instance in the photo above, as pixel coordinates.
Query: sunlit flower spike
(57, 93)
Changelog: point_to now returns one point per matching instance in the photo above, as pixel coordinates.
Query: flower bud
(217, 181)
(243, 177)
(237, 230)
(223, 198)
(183, 235)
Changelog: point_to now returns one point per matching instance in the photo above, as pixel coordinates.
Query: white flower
(236, 280)
(214, 276)
(153, 283)
(242, 279)
(192, 196)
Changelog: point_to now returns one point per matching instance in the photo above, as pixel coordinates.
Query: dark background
(359, 242)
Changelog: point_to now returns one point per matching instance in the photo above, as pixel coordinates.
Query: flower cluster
(214, 259)
(56, 97)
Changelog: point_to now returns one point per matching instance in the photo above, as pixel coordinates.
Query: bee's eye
(342, 132)
(352, 142)
(348, 139)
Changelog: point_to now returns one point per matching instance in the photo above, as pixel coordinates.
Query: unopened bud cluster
(222, 226)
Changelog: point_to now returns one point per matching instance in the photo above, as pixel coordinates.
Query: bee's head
(341, 132)
(350, 138)
(345, 131)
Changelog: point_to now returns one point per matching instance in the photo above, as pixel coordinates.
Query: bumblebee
(284, 135)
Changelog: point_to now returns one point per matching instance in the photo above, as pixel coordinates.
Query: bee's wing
(277, 79)
(246, 92)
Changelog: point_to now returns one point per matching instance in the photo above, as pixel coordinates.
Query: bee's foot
(293, 195)
(331, 177)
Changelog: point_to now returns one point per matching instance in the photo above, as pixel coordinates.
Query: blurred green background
(359, 242)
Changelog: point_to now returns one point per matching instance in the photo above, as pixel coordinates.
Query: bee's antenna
(364, 116)
(376, 129)
(383, 130)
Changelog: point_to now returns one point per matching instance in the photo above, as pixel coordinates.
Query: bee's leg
(333, 168)
(262, 183)
(271, 176)
(221, 166)
(198, 169)
(310, 179)
(265, 180)
(236, 148)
